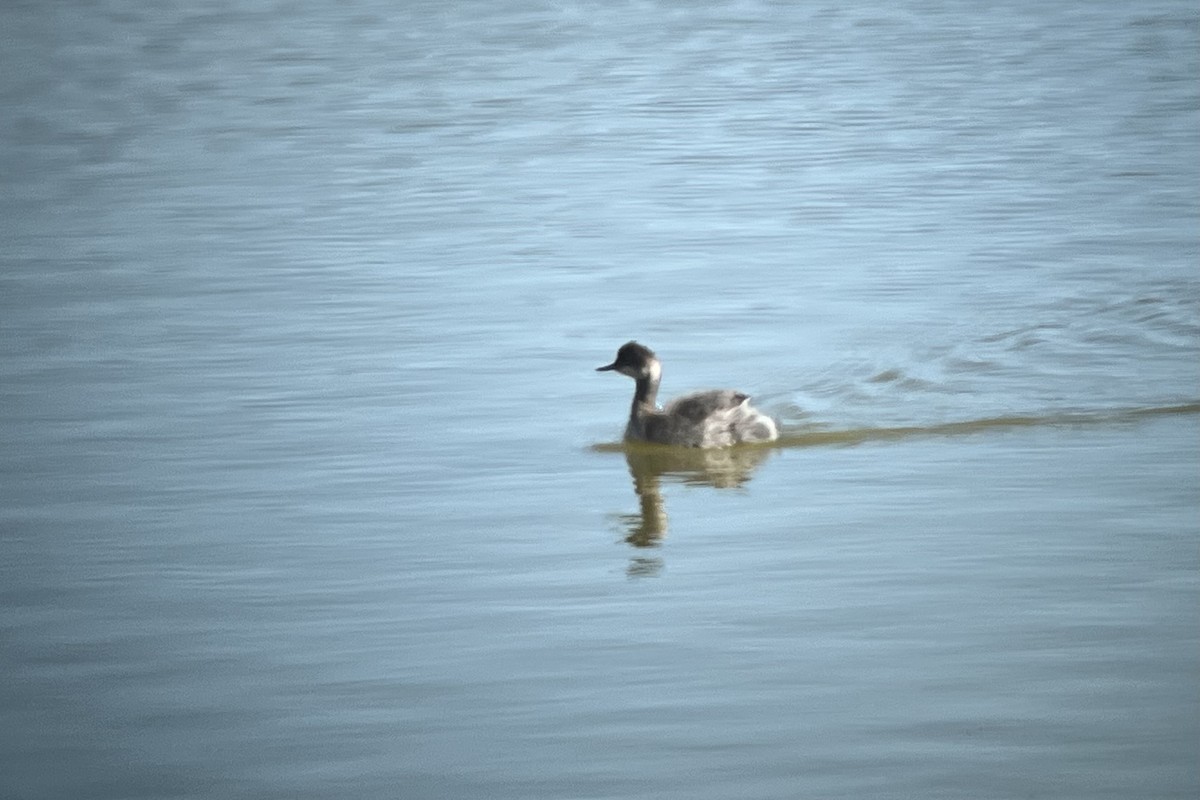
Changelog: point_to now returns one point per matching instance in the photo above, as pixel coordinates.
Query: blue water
(308, 487)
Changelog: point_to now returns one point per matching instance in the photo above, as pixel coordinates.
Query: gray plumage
(715, 418)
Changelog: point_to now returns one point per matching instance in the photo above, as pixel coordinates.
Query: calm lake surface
(308, 488)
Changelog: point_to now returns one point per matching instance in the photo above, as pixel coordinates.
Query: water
(309, 489)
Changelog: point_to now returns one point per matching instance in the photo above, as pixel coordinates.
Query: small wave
(817, 436)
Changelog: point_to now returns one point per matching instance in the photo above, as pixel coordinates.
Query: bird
(713, 418)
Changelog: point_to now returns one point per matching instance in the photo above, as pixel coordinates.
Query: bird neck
(646, 392)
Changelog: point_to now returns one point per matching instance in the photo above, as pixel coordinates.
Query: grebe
(716, 418)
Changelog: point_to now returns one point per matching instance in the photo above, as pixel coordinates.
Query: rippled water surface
(308, 488)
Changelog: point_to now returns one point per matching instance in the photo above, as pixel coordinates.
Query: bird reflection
(726, 468)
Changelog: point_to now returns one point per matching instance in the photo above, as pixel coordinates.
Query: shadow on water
(731, 468)
(650, 465)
